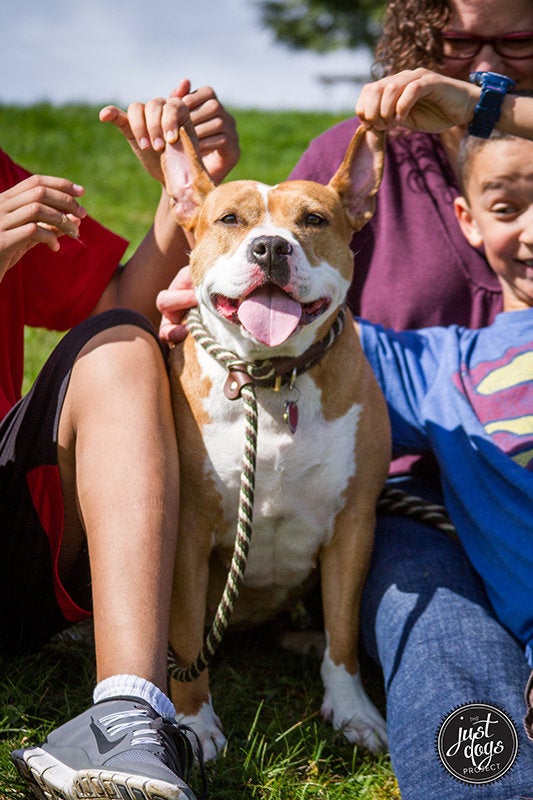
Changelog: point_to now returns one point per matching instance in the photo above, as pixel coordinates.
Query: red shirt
(49, 290)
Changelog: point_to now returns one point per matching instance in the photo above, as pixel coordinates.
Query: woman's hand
(417, 99)
(39, 209)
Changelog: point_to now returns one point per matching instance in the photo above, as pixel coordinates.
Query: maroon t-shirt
(413, 266)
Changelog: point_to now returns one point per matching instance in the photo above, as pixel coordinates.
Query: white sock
(133, 686)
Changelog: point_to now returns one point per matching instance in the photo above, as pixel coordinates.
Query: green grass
(279, 748)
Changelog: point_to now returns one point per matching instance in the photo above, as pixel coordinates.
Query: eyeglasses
(464, 46)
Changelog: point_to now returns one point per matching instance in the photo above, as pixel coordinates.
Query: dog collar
(271, 373)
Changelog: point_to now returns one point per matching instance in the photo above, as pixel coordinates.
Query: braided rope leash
(244, 521)
(396, 501)
(240, 552)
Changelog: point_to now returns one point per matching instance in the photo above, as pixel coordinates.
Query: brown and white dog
(271, 267)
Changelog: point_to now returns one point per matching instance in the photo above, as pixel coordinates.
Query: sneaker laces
(170, 738)
(179, 735)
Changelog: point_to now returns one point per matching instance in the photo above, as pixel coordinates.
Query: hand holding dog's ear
(417, 99)
(149, 126)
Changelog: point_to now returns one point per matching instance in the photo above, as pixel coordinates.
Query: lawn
(279, 748)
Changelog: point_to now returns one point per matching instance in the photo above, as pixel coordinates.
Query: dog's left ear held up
(358, 178)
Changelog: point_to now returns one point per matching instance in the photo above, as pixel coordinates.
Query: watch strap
(488, 110)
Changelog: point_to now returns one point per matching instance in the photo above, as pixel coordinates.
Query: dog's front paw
(208, 727)
(347, 706)
(366, 727)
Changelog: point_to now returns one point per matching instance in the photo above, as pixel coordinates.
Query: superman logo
(501, 394)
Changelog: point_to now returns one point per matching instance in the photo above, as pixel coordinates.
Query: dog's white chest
(300, 477)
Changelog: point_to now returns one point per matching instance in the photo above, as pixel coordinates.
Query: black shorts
(33, 603)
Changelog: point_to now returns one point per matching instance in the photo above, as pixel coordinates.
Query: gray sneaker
(119, 748)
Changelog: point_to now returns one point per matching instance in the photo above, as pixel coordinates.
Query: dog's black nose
(270, 253)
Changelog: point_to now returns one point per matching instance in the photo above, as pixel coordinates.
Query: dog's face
(272, 264)
(263, 259)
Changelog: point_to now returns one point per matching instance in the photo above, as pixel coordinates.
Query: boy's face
(498, 214)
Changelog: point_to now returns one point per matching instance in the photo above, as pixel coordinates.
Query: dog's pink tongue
(270, 315)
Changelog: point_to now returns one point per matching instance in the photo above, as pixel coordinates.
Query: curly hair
(411, 36)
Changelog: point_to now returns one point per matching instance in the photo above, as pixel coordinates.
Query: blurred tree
(322, 25)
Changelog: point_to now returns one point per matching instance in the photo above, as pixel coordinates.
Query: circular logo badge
(477, 743)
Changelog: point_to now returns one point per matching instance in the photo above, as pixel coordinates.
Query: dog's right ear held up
(187, 181)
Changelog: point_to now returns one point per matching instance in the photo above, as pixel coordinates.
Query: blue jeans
(427, 621)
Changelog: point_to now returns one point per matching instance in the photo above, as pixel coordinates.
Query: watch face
(491, 80)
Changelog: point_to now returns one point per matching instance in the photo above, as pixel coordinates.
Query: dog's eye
(315, 220)
(229, 219)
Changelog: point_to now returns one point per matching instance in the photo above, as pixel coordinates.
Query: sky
(104, 51)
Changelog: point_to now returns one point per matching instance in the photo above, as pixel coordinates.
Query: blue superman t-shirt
(467, 395)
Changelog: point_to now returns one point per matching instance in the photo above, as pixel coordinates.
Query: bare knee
(118, 368)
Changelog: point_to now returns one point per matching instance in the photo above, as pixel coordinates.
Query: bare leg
(119, 468)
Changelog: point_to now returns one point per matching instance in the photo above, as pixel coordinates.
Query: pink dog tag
(290, 415)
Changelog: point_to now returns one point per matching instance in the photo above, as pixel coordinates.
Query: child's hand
(215, 128)
(148, 126)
